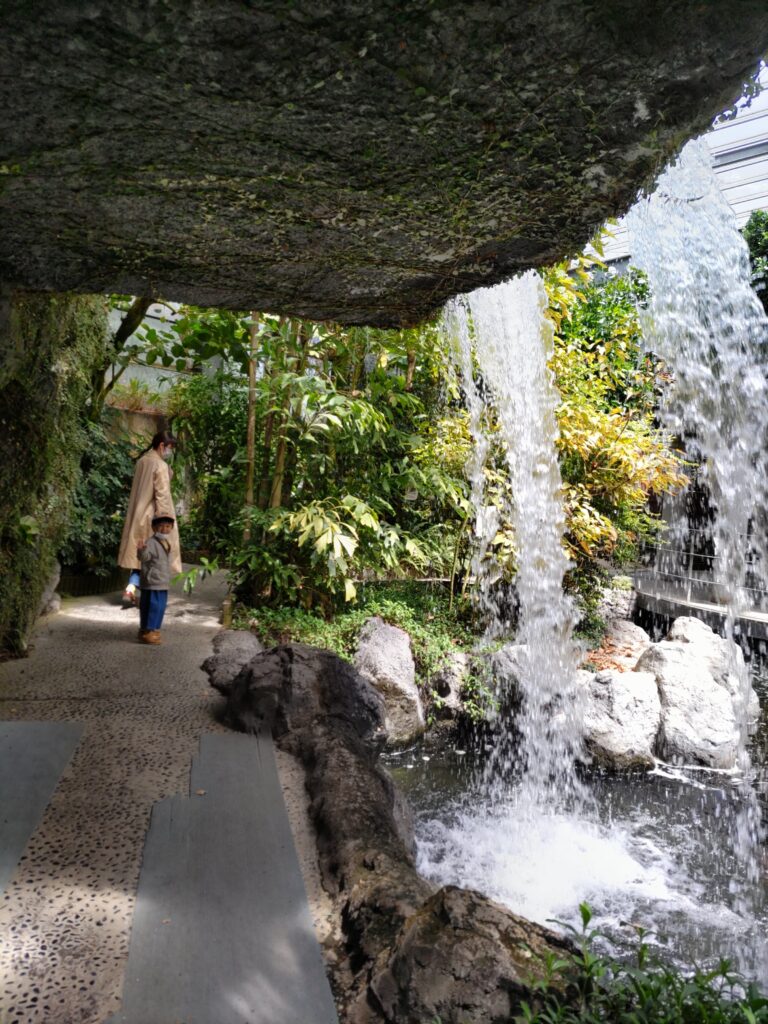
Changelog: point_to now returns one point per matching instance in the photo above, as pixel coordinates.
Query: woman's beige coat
(150, 496)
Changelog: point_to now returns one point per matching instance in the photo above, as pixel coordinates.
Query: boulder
(385, 660)
(700, 677)
(232, 649)
(447, 683)
(461, 959)
(622, 718)
(409, 951)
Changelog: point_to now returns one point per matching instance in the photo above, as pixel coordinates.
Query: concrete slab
(222, 930)
(32, 757)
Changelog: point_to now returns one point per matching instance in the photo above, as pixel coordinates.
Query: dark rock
(413, 951)
(462, 960)
(232, 649)
(358, 162)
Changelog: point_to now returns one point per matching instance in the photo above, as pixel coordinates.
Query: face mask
(168, 455)
(160, 536)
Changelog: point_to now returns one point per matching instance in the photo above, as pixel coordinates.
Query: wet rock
(448, 682)
(232, 649)
(410, 952)
(622, 718)
(621, 646)
(461, 960)
(385, 660)
(621, 631)
(697, 673)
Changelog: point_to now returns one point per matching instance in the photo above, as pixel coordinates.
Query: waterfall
(505, 330)
(705, 321)
(676, 853)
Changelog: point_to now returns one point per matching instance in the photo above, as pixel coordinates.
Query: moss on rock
(357, 162)
(48, 347)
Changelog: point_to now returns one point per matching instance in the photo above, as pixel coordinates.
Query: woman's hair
(161, 437)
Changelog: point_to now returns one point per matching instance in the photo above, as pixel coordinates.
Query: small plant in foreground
(590, 987)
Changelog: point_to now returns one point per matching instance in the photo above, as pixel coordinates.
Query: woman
(150, 497)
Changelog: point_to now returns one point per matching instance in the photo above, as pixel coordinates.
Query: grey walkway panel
(32, 757)
(222, 932)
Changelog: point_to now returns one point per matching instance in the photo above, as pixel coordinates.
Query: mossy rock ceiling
(357, 162)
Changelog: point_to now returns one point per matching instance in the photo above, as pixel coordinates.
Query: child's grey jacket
(155, 565)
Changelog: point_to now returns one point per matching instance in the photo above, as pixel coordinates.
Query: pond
(653, 849)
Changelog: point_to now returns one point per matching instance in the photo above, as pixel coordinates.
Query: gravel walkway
(66, 914)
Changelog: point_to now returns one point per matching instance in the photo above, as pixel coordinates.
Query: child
(154, 555)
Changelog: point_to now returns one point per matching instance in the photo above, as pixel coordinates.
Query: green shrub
(99, 503)
(621, 583)
(420, 609)
(590, 987)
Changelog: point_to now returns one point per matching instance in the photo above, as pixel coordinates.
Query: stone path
(66, 913)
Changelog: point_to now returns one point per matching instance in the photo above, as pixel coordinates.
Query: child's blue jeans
(152, 608)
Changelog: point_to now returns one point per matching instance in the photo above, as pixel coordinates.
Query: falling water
(675, 854)
(512, 341)
(707, 324)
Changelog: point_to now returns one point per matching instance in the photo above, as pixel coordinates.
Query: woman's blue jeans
(152, 608)
(135, 578)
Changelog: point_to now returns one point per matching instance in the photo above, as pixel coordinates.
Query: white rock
(622, 717)
(622, 631)
(385, 659)
(699, 675)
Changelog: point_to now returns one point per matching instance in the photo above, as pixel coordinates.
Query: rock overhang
(353, 162)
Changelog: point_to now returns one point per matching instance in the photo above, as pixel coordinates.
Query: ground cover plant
(592, 987)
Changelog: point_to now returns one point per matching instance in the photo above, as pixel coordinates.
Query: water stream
(512, 352)
(679, 852)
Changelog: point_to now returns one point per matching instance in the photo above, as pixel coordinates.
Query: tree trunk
(129, 324)
(410, 370)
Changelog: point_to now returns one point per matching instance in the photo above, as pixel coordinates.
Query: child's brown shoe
(152, 636)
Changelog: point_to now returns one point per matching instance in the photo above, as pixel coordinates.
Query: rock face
(622, 718)
(357, 162)
(415, 952)
(693, 668)
(385, 660)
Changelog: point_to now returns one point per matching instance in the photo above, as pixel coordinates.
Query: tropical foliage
(315, 457)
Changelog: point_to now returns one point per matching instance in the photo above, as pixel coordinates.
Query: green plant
(99, 502)
(621, 583)
(589, 987)
(420, 609)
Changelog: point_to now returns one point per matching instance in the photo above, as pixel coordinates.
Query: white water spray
(506, 329)
(678, 858)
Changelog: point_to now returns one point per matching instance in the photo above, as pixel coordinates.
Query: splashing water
(674, 854)
(513, 343)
